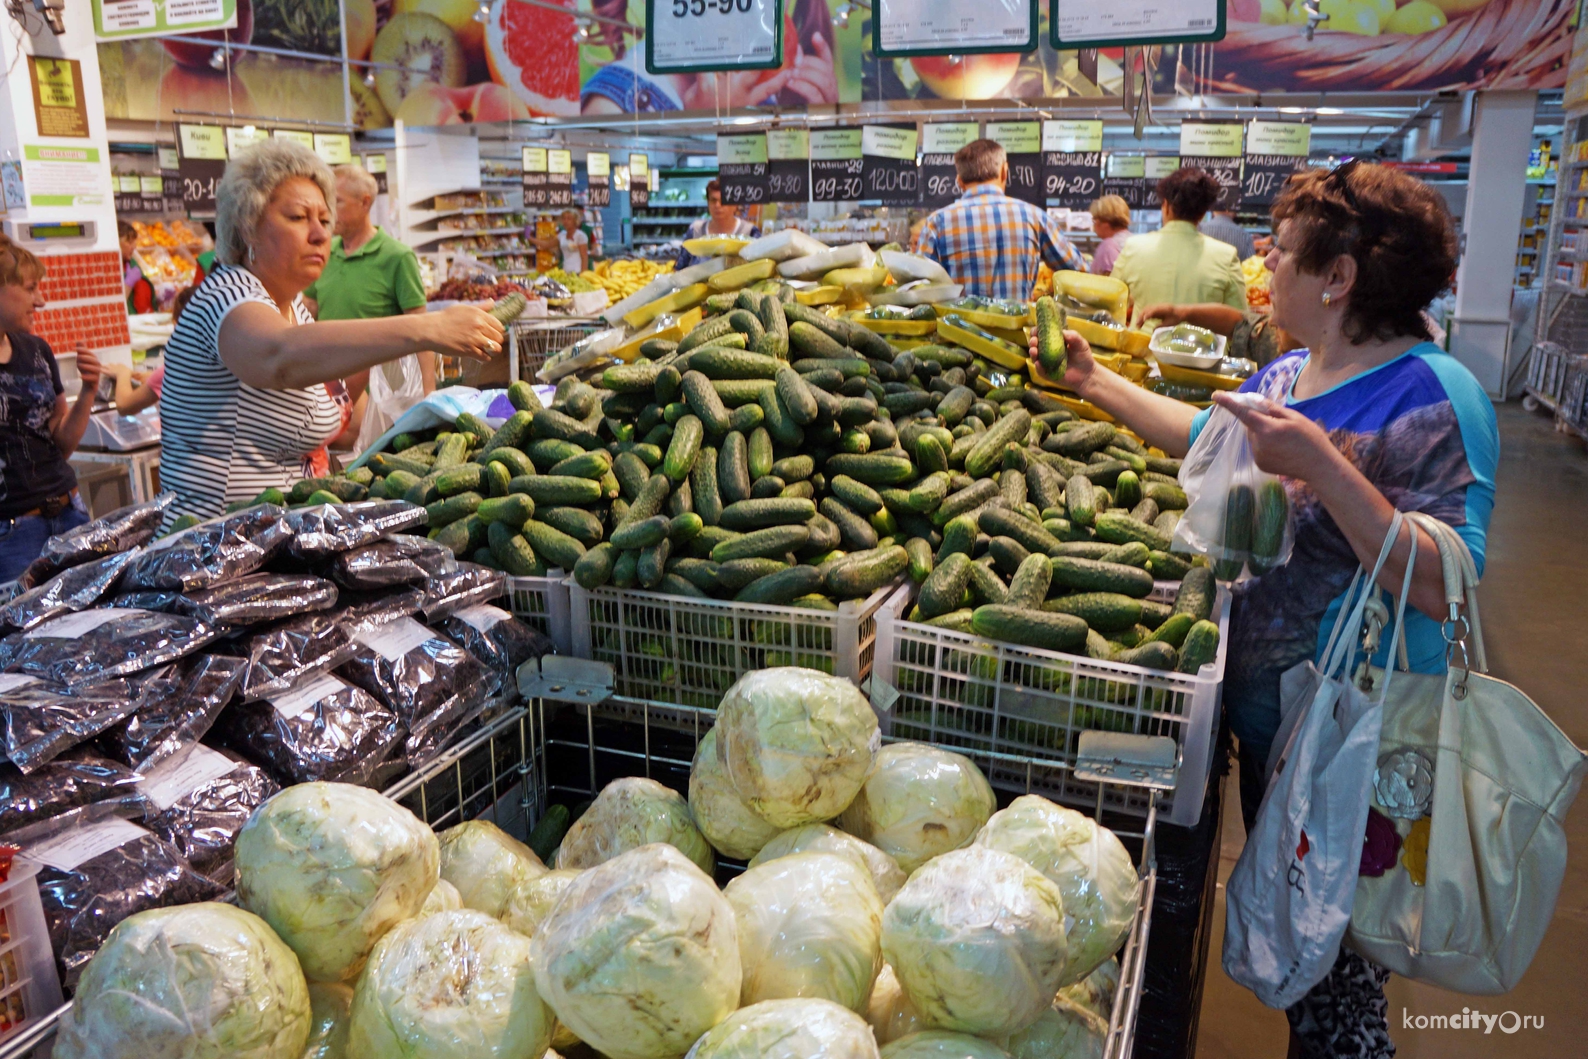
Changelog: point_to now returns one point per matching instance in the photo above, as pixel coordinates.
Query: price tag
(536, 178)
(559, 178)
(598, 172)
(939, 142)
(788, 166)
(73, 626)
(1072, 162)
(202, 162)
(375, 166)
(395, 638)
(240, 139)
(924, 27)
(742, 169)
(482, 616)
(1023, 142)
(301, 697)
(695, 36)
(82, 844)
(1125, 175)
(1275, 150)
(1075, 24)
(334, 148)
(1215, 147)
(836, 165)
(639, 181)
(889, 170)
(1158, 166)
(171, 781)
(302, 139)
(167, 157)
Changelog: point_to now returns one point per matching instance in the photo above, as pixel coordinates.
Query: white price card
(80, 844)
(696, 36)
(953, 27)
(395, 638)
(71, 626)
(301, 697)
(1116, 23)
(482, 616)
(172, 780)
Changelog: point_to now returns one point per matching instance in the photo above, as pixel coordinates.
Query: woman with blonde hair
(244, 394)
(1111, 222)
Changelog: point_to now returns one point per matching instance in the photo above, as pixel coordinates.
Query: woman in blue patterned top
(1368, 417)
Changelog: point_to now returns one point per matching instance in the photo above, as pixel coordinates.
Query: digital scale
(43, 235)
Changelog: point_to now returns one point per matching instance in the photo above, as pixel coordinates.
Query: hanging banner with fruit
(126, 19)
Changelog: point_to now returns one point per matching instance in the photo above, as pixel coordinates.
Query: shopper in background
(1220, 225)
(1178, 264)
(571, 243)
(39, 428)
(1252, 336)
(140, 292)
(1111, 222)
(993, 244)
(720, 220)
(246, 368)
(370, 274)
(1369, 418)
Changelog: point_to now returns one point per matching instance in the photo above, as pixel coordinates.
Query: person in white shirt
(572, 244)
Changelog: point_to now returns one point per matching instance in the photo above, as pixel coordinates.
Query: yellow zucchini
(1100, 292)
(823, 295)
(742, 275)
(676, 302)
(715, 246)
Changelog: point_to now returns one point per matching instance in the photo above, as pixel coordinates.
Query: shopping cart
(536, 339)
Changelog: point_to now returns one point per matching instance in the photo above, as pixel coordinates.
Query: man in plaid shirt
(991, 243)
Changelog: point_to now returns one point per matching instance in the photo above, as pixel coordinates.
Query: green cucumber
(649, 503)
(703, 400)
(1200, 648)
(556, 490)
(703, 487)
(986, 586)
(1173, 630)
(1167, 497)
(583, 526)
(1117, 527)
(591, 465)
(1269, 525)
(919, 549)
(747, 515)
(1168, 566)
(1080, 500)
(1030, 628)
(855, 532)
(945, 586)
(512, 552)
(873, 469)
(988, 452)
(594, 567)
(1152, 655)
(514, 509)
(1127, 490)
(625, 571)
(762, 543)
(1197, 593)
(735, 574)
(856, 495)
(547, 835)
(451, 509)
(1029, 587)
(1104, 611)
(552, 544)
(684, 449)
(652, 564)
(959, 536)
(965, 501)
(1090, 575)
(1239, 514)
(1000, 522)
(733, 469)
(782, 587)
(858, 576)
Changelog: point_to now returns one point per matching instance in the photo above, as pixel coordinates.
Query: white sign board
(958, 27)
(693, 36)
(1111, 23)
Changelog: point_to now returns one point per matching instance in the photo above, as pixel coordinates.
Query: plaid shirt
(994, 244)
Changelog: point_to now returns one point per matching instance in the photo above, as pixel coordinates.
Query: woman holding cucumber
(244, 394)
(1366, 418)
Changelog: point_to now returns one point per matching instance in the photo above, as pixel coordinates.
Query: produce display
(622, 278)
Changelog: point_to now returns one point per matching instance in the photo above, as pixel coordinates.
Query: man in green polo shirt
(369, 275)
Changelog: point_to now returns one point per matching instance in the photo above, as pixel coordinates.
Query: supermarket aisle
(1531, 601)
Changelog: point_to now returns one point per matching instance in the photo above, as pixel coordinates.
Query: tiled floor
(1532, 612)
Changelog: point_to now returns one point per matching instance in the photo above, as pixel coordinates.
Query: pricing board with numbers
(1215, 147)
(559, 178)
(696, 36)
(1227, 171)
(639, 181)
(1072, 178)
(742, 169)
(889, 172)
(1129, 183)
(939, 142)
(837, 165)
(1275, 150)
(1022, 140)
(201, 163)
(537, 180)
(1076, 24)
(788, 165)
(598, 172)
(958, 27)
(375, 166)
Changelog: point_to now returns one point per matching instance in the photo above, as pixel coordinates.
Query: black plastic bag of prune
(178, 704)
(321, 728)
(40, 721)
(199, 800)
(78, 777)
(400, 559)
(121, 530)
(73, 589)
(212, 552)
(93, 646)
(471, 583)
(248, 600)
(496, 638)
(322, 530)
(95, 870)
(280, 655)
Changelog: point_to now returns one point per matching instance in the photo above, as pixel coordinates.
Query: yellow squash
(1100, 292)
(818, 295)
(741, 276)
(895, 325)
(982, 318)
(676, 302)
(715, 246)
(673, 332)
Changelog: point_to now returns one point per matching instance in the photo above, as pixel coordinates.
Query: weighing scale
(43, 236)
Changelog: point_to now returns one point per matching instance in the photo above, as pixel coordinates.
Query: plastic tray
(688, 651)
(1006, 701)
(542, 602)
(29, 990)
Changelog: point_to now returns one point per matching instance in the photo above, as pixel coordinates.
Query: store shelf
(482, 211)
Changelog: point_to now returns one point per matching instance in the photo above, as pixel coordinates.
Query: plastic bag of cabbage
(919, 802)
(788, 1029)
(630, 813)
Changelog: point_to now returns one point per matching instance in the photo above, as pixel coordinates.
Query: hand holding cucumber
(1078, 360)
(465, 331)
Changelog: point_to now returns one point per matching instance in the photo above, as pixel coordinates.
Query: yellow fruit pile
(1255, 272)
(622, 278)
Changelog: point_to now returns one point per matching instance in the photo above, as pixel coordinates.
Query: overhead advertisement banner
(693, 36)
(953, 27)
(126, 19)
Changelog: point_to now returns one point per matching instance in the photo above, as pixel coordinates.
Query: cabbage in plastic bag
(94, 646)
(629, 813)
(398, 560)
(942, 1044)
(122, 530)
(444, 898)
(178, 705)
(1065, 1031)
(213, 551)
(321, 728)
(797, 744)
(329, 1004)
(823, 838)
(648, 932)
(69, 591)
(242, 601)
(919, 802)
(1088, 864)
(976, 938)
(728, 824)
(320, 531)
(486, 865)
(810, 925)
(1095, 992)
(332, 868)
(788, 1029)
(76, 778)
(454, 985)
(889, 1010)
(40, 721)
(533, 899)
(205, 981)
(200, 800)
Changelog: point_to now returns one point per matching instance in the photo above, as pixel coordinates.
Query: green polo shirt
(380, 278)
(1179, 265)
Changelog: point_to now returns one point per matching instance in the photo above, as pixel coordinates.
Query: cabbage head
(455, 985)
(646, 932)
(1096, 991)
(788, 1029)
(797, 744)
(629, 813)
(824, 838)
(332, 867)
(920, 801)
(942, 1044)
(976, 938)
(444, 898)
(532, 901)
(810, 925)
(728, 824)
(1065, 1031)
(328, 1009)
(201, 981)
(889, 1011)
(1086, 862)
(486, 864)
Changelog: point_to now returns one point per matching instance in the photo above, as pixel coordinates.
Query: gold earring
(1326, 297)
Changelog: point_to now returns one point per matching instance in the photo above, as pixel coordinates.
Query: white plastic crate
(688, 651)
(998, 699)
(29, 990)
(542, 602)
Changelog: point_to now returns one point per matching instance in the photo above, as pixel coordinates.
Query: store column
(1481, 330)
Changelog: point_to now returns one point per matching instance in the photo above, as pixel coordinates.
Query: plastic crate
(542, 602)
(688, 651)
(536, 339)
(1546, 371)
(1028, 707)
(29, 990)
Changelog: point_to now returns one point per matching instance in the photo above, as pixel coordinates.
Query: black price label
(1227, 171)
(537, 190)
(743, 184)
(1074, 178)
(639, 196)
(788, 180)
(600, 192)
(893, 181)
(1263, 177)
(199, 177)
(1134, 190)
(938, 188)
(559, 189)
(837, 180)
(1025, 178)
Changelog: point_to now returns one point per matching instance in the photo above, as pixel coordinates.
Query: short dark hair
(183, 296)
(979, 161)
(1396, 228)
(714, 185)
(124, 230)
(1190, 192)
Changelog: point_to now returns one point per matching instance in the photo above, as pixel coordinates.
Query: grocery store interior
(748, 542)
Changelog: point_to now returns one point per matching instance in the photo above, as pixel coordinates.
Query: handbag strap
(1342, 643)
(1462, 627)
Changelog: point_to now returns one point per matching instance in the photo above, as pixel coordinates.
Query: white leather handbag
(1477, 780)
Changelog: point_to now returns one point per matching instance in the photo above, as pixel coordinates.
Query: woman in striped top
(244, 395)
